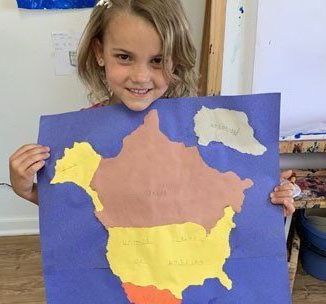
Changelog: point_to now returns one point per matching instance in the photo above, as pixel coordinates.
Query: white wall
(29, 88)
(239, 47)
(291, 58)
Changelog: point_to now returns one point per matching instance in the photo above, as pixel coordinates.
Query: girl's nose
(140, 74)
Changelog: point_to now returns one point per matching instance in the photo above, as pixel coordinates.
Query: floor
(21, 279)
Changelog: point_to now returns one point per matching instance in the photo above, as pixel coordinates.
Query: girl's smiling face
(133, 61)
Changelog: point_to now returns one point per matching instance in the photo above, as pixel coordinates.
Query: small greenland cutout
(229, 127)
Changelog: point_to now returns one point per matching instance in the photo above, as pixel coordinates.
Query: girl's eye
(157, 60)
(123, 57)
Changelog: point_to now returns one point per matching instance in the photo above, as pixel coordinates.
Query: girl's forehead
(130, 31)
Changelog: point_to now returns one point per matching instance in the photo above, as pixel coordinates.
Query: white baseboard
(19, 226)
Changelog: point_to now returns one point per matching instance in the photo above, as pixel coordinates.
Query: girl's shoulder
(95, 105)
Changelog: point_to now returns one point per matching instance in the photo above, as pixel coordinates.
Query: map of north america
(168, 214)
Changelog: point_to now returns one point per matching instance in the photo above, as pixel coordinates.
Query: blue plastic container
(311, 227)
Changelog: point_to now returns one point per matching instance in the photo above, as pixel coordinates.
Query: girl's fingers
(282, 200)
(30, 160)
(19, 160)
(23, 166)
(282, 194)
(284, 186)
(35, 167)
(286, 174)
(22, 150)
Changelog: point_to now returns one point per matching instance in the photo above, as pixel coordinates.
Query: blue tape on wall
(55, 4)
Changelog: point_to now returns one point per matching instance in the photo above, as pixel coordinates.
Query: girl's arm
(23, 166)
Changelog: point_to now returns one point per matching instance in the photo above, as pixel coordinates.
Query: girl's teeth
(139, 91)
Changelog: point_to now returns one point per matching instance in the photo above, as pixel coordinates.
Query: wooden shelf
(302, 146)
(313, 190)
(313, 187)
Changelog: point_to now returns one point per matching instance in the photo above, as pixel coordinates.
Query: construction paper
(229, 127)
(168, 205)
(55, 4)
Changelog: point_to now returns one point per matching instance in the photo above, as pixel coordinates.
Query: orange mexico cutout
(149, 295)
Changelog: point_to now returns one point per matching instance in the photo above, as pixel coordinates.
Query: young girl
(132, 52)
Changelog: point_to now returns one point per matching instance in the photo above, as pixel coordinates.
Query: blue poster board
(78, 263)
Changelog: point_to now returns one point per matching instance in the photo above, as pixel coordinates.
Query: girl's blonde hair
(170, 21)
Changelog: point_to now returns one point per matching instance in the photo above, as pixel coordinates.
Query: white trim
(287, 226)
(19, 226)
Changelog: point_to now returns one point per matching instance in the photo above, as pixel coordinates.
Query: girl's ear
(98, 50)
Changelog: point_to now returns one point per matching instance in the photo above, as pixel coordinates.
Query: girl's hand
(23, 165)
(283, 194)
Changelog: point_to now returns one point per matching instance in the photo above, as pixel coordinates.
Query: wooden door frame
(211, 62)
